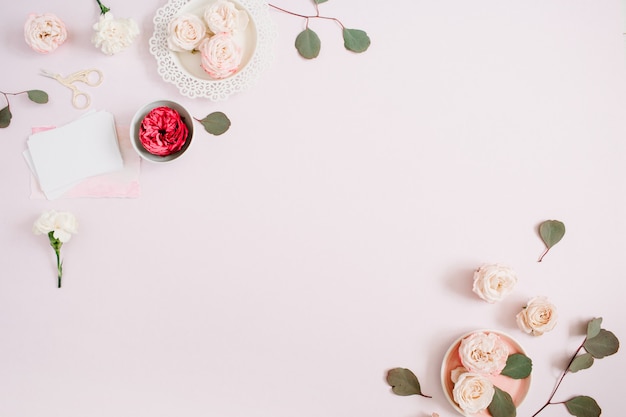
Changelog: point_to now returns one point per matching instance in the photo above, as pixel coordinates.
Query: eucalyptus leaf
(216, 123)
(583, 406)
(518, 366)
(502, 404)
(320, 1)
(581, 362)
(593, 327)
(38, 96)
(551, 232)
(5, 117)
(605, 343)
(308, 44)
(403, 382)
(355, 40)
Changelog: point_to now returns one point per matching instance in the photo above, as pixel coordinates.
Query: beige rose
(44, 32)
(223, 16)
(493, 282)
(539, 316)
(185, 32)
(221, 55)
(473, 392)
(483, 353)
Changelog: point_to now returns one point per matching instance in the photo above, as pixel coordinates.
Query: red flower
(163, 131)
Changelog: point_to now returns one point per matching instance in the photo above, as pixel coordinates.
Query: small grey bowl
(135, 125)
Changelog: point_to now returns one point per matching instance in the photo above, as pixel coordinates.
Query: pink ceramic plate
(517, 388)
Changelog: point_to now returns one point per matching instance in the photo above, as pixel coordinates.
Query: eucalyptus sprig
(308, 43)
(404, 382)
(37, 96)
(551, 232)
(215, 123)
(598, 344)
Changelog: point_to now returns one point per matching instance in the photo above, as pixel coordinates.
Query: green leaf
(320, 1)
(581, 362)
(518, 366)
(551, 232)
(216, 123)
(593, 327)
(604, 344)
(308, 44)
(403, 382)
(502, 404)
(5, 117)
(583, 406)
(38, 96)
(355, 40)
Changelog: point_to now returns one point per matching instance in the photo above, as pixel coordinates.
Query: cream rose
(114, 35)
(473, 392)
(44, 32)
(223, 16)
(185, 32)
(539, 316)
(221, 55)
(483, 353)
(493, 282)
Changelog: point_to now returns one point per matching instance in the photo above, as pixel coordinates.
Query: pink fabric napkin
(119, 184)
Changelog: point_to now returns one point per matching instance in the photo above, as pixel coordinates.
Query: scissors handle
(80, 100)
(84, 76)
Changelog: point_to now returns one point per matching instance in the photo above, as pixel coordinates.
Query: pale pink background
(281, 269)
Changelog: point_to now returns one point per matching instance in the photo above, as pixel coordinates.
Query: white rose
(44, 32)
(62, 224)
(456, 373)
(483, 353)
(539, 316)
(473, 392)
(493, 282)
(114, 35)
(223, 16)
(185, 32)
(221, 55)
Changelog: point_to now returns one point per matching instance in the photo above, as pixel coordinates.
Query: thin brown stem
(558, 384)
(307, 17)
(543, 254)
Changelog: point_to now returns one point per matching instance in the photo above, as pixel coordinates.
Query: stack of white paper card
(62, 157)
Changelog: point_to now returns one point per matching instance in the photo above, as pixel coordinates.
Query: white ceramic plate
(517, 388)
(183, 68)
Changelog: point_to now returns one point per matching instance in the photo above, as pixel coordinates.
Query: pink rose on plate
(483, 353)
(44, 32)
(221, 55)
(163, 131)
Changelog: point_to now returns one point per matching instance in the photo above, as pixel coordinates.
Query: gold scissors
(80, 99)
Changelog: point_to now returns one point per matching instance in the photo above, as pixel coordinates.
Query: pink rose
(221, 55)
(44, 32)
(162, 131)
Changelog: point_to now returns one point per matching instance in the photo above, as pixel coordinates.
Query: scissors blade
(47, 74)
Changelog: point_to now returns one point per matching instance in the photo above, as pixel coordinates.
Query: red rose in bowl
(162, 131)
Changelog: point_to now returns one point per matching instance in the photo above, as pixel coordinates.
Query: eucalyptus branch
(598, 344)
(37, 96)
(308, 44)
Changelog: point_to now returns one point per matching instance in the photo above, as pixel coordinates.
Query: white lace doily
(183, 68)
